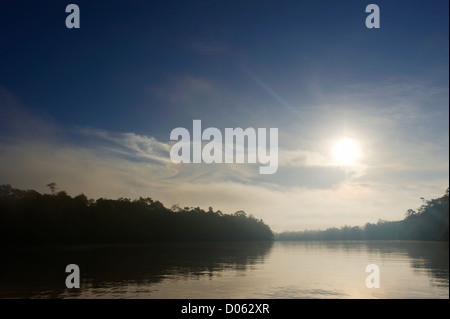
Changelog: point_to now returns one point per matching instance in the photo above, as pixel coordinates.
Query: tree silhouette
(429, 222)
(28, 217)
(52, 187)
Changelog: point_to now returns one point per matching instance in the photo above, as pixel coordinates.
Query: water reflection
(409, 269)
(429, 257)
(230, 270)
(34, 272)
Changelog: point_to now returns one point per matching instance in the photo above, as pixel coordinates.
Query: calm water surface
(230, 270)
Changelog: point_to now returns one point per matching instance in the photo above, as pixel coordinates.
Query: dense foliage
(28, 217)
(429, 222)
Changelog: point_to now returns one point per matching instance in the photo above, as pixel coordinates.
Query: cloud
(285, 204)
(303, 158)
(308, 191)
(135, 147)
(109, 164)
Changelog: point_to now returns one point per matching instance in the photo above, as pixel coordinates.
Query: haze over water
(231, 270)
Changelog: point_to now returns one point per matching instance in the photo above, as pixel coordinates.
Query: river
(407, 269)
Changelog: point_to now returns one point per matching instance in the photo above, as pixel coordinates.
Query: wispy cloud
(136, 147)
(303, 158)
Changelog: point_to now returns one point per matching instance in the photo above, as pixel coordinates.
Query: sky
(92, 108)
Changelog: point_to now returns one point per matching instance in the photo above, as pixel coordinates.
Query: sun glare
(346, 152)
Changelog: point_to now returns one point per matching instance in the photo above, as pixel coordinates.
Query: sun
(346, 152)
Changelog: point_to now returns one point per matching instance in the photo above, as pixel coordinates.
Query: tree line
(28, 217)
(429, 222)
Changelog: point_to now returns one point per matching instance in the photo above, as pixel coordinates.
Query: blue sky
(92, 108)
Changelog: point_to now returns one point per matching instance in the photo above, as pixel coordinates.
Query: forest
(428, 222)
(29, 218)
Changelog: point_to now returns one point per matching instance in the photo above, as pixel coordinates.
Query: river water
(407, 269)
